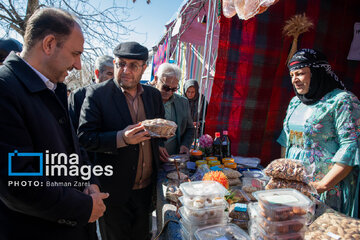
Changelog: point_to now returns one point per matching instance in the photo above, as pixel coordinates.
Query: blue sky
(152, 19)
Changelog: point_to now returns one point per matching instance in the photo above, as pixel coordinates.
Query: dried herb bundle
(295, 26)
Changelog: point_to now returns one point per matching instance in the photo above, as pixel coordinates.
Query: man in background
(8, 45)
(176, 109)
(103, 70)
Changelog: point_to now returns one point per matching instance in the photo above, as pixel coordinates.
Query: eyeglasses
(166, 88)
(131, 66)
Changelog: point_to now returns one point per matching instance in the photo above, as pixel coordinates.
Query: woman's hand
(337, 173)
(318, 186)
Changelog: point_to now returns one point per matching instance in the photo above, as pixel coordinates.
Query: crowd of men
(99, 123)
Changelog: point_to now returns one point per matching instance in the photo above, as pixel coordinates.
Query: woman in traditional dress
(321, 127)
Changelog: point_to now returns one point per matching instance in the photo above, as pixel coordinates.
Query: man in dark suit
(103, 70)
(34, 119)
(109, 125)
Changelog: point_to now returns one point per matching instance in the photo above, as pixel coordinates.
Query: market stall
(207, 201)
(248, 100)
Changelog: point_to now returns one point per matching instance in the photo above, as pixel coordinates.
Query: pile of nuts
(334, 226)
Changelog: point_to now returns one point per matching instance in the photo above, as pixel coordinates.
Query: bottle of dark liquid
(217, 146)
(226, 145)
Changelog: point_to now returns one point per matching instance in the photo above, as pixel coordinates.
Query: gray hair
(169, 70)
(102, 62)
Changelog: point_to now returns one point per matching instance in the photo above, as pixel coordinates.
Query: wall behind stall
(252, 87)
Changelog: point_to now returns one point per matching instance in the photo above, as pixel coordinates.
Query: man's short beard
(126, 87)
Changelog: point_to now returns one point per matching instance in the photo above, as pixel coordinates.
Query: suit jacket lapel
(177, 105)
(121, 104)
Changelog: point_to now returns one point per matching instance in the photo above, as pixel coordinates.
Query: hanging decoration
(294, 27)
(228, 8)
(245, 9)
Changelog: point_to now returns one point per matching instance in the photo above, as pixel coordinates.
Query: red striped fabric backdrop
(252, 87)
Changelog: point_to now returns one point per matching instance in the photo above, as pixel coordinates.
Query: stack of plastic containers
(280, 214)
(203, 205)
(221, 232)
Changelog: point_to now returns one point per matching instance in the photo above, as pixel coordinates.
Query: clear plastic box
(191, 227)
(256, 232)
(198, 203)
(252, 210)
(203, 216)
(217, 232)
(204, 189)
(243, 224)
(283, 204)
(185, 233)
(279, 227)
(253, 184)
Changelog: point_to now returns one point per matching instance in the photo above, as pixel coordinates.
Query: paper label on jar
(283, 199)
(332, 235)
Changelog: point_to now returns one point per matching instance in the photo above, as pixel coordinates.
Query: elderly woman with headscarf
(321, 127)
(191, 92)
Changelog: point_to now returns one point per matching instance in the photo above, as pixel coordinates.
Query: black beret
(131, 50)
(10, 44)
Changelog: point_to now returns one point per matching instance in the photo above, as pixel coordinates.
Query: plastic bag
(300, 186)
(247, 9)
(200, 172)
(231, 174)
(228, 8)
(160, 128)
(290, 169)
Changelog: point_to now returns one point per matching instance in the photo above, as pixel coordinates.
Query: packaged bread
(230, 173)
(234, 182)
(160, 128)
(288, 169)
(334, 225)
(304, 188)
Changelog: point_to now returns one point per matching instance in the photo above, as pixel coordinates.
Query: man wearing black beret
(109, 125)
(8, 45)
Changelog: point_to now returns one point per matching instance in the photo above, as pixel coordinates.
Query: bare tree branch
(104, 25)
